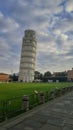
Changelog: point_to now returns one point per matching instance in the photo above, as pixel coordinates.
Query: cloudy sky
(53, 22)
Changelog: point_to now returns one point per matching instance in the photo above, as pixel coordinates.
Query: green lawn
(11, 103)
(11, 90)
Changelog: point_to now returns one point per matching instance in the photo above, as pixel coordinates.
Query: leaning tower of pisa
(28, 56)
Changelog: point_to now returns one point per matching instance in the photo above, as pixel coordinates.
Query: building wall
(70, 74)
(4, 77)
(28, 57)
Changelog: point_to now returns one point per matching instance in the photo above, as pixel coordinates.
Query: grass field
(12, 90)
(11, 103)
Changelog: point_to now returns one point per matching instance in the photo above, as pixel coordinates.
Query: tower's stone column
(28, 57)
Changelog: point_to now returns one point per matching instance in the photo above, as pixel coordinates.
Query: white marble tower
(28, 56)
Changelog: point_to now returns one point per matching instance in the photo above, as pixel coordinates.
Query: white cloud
(69, 5)
(9, 37)
(7, 24)
(8, 59)
(52, 26)
(1, 16)
(57, 31)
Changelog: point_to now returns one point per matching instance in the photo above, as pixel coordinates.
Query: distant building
(59, 74)
(4, 77)
(28, 57)
(70, 75)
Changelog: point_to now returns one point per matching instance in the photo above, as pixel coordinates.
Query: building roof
(3, 74)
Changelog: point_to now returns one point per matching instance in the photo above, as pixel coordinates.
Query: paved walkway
(54, 115)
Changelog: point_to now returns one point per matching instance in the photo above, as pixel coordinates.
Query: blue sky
(53, 22)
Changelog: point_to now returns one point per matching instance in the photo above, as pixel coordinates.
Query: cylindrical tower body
(28, 56)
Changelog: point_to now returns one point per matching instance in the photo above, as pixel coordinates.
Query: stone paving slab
(54, 115)
(56, 121)
(68, 127)
(50, 127)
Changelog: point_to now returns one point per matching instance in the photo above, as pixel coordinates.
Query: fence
(15, 106)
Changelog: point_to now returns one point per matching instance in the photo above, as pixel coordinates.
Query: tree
(14, 77)
(47, 74)
(38, 75)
